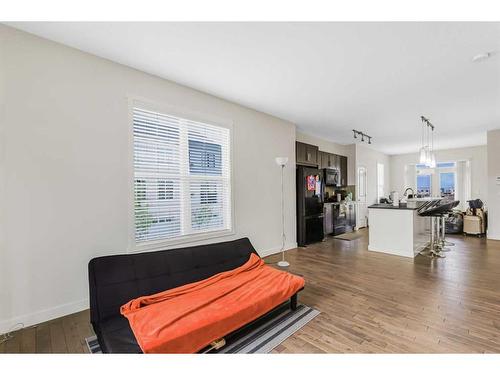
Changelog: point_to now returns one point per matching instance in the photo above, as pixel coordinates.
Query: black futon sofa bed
(114, 280)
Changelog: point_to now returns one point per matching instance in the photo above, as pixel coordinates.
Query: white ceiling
(327, 78)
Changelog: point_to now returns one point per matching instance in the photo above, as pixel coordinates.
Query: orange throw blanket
(188, 318)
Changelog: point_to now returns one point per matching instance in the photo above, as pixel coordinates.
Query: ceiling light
(363, 136)
(423, 155)
(427, 156)
(482, 56)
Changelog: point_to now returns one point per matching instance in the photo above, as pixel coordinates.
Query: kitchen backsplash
(349, 189)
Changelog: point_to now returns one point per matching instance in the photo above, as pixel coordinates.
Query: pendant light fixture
(432, 156)
(427, 156)
(423, 150)
(432, 163)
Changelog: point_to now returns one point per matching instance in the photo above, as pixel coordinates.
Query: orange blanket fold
(188, 318)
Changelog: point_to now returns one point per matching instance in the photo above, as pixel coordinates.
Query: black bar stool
(444, 216)
(436, 210)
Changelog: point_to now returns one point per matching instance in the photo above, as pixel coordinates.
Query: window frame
(133, 246)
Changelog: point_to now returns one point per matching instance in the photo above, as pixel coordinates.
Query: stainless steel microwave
(332, 177)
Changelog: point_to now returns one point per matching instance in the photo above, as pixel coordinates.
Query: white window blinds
(182, 177)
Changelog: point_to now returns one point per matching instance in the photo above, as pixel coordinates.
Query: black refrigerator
(309, 205)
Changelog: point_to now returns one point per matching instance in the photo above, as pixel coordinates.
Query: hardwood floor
(369, 303)
(62, 335)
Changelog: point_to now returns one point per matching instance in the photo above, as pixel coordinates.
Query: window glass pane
(205, 157)
(422, 166)
(207, 205)
(424, 185)
(157, 209)
(447, 185)
(446, 165)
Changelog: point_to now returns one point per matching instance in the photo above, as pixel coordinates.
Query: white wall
(3, 254)
(65, 171)
(493, 187)
(368, 157)
(477, 155)
(334, 148)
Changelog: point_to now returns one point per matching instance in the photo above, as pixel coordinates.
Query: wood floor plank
(28, 340)
(14, 344)
(43, 340)
(57, 337)
(71, 334)
(82, 321)
(369, 303)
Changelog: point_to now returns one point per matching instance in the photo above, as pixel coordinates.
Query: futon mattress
(188, 318)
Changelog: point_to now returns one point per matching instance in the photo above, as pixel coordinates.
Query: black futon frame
(114, 280)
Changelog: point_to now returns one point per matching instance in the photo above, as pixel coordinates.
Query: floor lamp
(281, 161)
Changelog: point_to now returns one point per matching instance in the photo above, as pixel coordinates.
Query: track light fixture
(363, 136)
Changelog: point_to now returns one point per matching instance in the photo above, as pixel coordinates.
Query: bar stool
(428, 209)
(436, 210)
(444, 216)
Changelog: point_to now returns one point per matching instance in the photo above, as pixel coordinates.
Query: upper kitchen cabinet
(311, 156)
(327, 160)
(324, 160)
(335, 161)
(343, 170)
(306, 154)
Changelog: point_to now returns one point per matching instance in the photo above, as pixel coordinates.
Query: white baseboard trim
(276, 250)
(493, 236)
(44, 315)
(391, 252)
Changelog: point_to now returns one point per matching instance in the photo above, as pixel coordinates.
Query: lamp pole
(282, 263)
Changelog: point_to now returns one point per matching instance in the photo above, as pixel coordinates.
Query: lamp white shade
(423, 155)
(432, 164)
(281, 160)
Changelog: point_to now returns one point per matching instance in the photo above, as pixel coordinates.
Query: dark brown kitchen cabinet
(311, 156)
(300, 152)
(343, 170)
(335, 161)
(306, 154)
(328, 160)
(324, 160)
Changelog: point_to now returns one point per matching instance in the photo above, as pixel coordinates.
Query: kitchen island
(396, 230)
